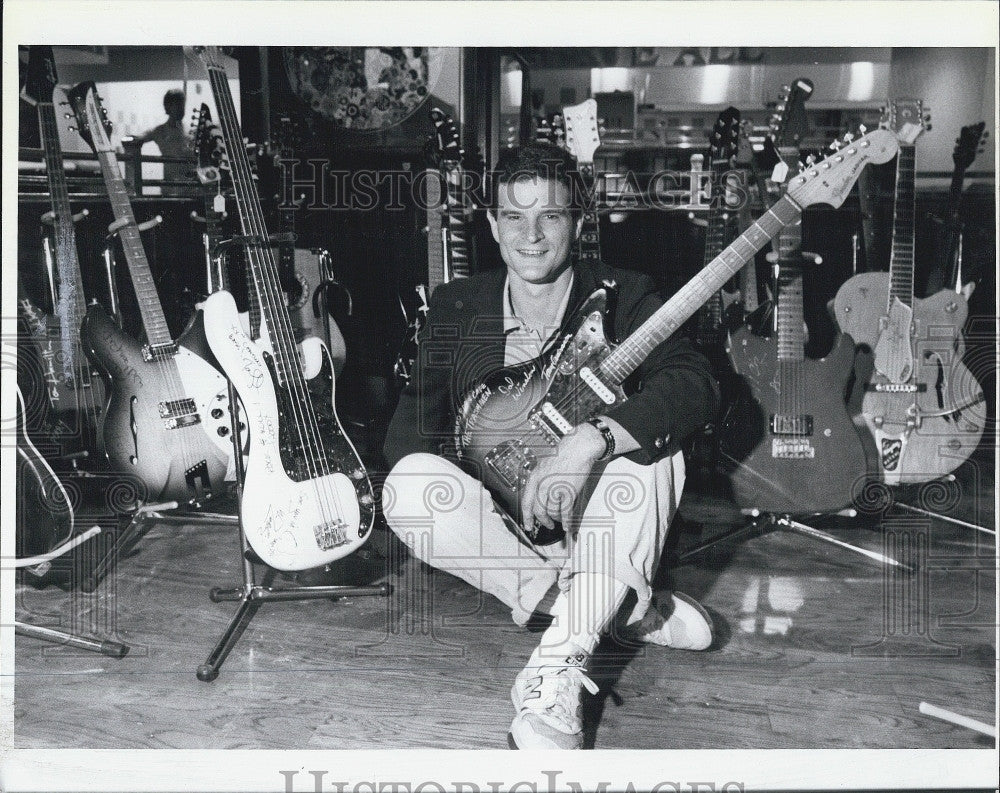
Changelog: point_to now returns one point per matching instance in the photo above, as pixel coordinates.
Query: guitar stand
(761, 522)
(252, 595)
(102, 646)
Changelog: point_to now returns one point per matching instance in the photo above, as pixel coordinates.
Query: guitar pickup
(330, 535)
(157, 352)
(784, 424)
(178, 413)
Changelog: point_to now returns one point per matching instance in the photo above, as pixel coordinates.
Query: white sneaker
(548, 704)
(689, 626)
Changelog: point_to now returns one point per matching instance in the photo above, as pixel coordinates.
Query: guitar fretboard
(447, 227)
(589, 244)
(71, 300)
(672, 314)
(719, 231)
(901, 261)
(153, 321)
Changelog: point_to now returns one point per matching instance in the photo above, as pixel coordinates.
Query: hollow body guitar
(517, 415)
(924, 408)
(166, 420)
(306, 498)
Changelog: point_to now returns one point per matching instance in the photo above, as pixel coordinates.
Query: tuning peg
(850, 136)
(835, 145)
(811, 160)
(862, 128)
(73, 129)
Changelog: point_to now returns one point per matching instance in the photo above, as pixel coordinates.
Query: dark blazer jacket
(671, 394)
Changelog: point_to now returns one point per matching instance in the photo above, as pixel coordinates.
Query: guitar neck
(447, 228)
(589, 245)
(153, 320)
(260, 256)
(716, 239)
(901, 260)
(637, 347)
(72, 303)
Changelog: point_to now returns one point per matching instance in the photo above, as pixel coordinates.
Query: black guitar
(788, 440)
(449, 234)
(167, 417)
(44, 513)
(947, 267)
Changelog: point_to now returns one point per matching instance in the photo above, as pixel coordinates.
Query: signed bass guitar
(922, 405)
(167, 417)
(306, 498)
(518, 414)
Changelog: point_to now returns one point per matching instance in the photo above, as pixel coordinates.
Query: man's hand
(554, 485)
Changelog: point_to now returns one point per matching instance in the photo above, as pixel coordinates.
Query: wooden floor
(817, 648)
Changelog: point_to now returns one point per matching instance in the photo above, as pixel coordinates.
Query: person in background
(171, 138)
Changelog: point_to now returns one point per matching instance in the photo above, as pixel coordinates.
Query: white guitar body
(291, 525)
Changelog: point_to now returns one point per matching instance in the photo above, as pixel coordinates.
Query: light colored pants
(449, 520)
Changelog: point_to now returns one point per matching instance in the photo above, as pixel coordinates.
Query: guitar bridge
(511, 461)
(330, 535)
(896, 388)
(799, 449)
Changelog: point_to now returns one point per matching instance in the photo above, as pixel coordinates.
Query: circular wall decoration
(362, 88)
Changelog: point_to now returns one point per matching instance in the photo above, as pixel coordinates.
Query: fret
(153, 320)
(636, 348)
(261, 261)
(901, 261)
(69, 301)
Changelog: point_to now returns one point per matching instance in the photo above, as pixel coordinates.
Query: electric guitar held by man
(517, 415)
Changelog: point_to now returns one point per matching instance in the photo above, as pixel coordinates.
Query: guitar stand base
(109, 648)
(252, 596)
(764, 522)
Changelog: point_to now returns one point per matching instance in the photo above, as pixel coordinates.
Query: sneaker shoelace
(555, 692)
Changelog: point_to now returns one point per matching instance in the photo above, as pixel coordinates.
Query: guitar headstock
(41, 77)
(209, 148)
(829, 181)
(91, 117)
(789, 124)
(971, 141)
(582, 137)
(210, 57)
(908, 118)
(725, 140)
(447, 140)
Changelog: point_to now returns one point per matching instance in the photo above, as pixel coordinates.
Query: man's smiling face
(535, 228)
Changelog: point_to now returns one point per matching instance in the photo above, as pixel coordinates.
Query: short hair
(537, 161)
(173, 95)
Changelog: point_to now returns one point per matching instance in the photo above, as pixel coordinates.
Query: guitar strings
(70, 291)
(150, 308)
(277, 321)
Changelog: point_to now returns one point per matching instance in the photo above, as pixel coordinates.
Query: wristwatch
(607, 434)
